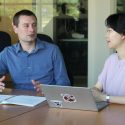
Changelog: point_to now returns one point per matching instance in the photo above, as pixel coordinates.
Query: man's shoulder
(47, 44)
(10, 48)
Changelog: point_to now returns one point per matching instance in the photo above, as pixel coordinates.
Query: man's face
(26, 29)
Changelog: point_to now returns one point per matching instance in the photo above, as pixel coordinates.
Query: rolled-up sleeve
(3, 66)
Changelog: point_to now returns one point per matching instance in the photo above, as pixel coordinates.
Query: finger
(2, 78)
(35, 82)
(36, 85)
(2, 88)
(2, 84)
(38, 89)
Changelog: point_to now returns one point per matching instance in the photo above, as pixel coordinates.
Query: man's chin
(31, 40)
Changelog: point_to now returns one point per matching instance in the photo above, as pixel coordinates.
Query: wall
(98, 10)
(44, 12)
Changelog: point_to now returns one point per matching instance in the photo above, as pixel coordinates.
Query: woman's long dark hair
(116, 22)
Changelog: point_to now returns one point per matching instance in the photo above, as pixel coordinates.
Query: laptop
(71, 97)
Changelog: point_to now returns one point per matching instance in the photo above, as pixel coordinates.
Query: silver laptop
(71, 97)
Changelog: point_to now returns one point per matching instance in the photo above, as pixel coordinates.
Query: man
(31, 60)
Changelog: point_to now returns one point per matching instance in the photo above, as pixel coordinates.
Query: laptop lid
(70, 97)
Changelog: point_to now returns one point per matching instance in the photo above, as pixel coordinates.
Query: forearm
(117, 99)
(112, 99)
(97, 92)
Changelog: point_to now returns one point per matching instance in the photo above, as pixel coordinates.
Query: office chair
(5, 40)
(45, 37)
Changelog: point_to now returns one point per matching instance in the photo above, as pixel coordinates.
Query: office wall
(98, 10)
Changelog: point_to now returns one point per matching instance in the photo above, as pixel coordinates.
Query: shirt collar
(39, 45)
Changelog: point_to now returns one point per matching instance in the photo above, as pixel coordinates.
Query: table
(43, 115)
(10, 111)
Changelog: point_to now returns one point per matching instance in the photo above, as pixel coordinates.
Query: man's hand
(2, 84)
(37, 86)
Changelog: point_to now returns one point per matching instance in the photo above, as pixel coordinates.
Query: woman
(111, 82)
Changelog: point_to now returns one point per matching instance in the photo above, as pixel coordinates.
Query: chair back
(45, 37)
(5, 40)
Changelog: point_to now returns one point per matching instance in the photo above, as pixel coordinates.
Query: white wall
(45, 26)
(98, 10)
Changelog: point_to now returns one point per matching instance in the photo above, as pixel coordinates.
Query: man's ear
(14, 28)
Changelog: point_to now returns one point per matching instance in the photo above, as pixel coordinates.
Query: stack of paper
(21, 100)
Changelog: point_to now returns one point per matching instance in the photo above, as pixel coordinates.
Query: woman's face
(114, 39)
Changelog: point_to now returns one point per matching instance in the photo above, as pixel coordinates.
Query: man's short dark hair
(21, 13)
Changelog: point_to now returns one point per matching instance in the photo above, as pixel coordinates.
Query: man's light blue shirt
(44, 64)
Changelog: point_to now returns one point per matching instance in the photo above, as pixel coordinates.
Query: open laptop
(71, 97)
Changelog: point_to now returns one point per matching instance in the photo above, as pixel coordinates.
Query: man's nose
(32, 28)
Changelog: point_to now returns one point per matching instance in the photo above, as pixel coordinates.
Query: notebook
(23, 100)
(71, 97)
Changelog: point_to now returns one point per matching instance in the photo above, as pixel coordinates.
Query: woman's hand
(2, 84)
(99, 96)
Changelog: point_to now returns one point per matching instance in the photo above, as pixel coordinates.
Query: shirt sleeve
(60, 72)
(103, 75)
(3, 66)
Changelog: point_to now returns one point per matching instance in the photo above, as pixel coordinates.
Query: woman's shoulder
(112, 58)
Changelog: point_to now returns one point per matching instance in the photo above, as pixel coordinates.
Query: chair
(45, 37)
(5, 40)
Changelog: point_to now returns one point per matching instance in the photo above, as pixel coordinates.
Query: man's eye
(34, 25)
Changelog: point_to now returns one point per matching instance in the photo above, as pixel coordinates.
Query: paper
(21, 100)
(3, 97)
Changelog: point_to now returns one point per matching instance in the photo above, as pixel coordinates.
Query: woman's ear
(123, 37)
